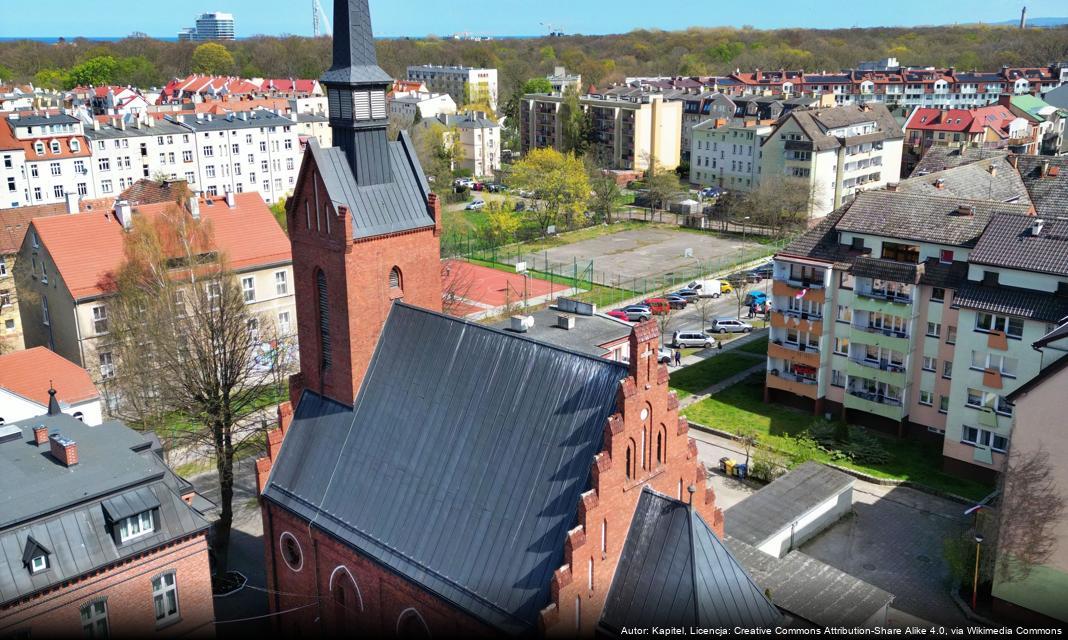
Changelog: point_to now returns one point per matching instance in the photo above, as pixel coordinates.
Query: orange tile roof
(88, 247)
(15, 222)
(31, 372)
(9, 141)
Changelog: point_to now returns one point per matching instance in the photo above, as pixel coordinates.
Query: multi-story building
(43, 158)
(562, 81)
(64, 305)
(917, 310)
(1038, 416)
(839, 151)
(628, 132)
(32, 379)
(16, 97)
(409, 106)
(100, 537)
(125, 152)
(727, 153)
(990, 127)
(480, 140)
(1046, 118)
(197, 88)
(466, 85)
(108, 100)
(210, 26)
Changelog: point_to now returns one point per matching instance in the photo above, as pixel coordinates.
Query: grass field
(758, 347)
(700, 376)
(741, 407)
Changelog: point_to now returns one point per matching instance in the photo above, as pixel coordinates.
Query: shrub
(865, 448)
(824, 432)
(767, 465)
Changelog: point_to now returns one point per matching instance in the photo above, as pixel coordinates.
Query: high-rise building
(210, 26)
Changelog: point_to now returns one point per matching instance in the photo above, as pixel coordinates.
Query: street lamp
(975, 581)
(743, 226)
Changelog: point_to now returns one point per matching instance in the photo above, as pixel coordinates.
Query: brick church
(435, 477)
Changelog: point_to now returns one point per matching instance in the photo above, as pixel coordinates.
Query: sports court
(481, 291)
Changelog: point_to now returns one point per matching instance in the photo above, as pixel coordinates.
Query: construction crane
(319, 17)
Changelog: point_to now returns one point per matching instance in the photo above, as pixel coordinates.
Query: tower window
(395, 278)
(325, 354)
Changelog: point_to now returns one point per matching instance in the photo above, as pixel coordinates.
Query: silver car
(692, 339)
(638, 313)
(729, 325)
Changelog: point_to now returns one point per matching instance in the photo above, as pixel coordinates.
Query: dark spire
(355, 60)
(53, 404)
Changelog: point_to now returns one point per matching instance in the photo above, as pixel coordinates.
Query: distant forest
(600, 59)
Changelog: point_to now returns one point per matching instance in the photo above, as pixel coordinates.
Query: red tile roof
(9, 141)
(30, 373)
(88, 247)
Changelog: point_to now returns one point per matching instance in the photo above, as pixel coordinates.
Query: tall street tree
(559, 183)
(213, 59)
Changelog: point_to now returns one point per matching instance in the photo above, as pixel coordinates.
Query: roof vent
(993, 170)
(565, 322)
(1036, 227)
(940, 183)
(966, 210)
(521, 324)
(10, 433)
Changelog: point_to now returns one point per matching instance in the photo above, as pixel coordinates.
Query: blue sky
(43, 18)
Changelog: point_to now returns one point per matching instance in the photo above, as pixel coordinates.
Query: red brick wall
(645, 406)
(128, 589)
(357, 274)
(375, 598)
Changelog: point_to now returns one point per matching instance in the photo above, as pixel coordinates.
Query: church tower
(362, 221)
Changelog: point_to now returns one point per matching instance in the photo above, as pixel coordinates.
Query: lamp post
(975, 581)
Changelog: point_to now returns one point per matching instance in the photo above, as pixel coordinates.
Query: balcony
(891, 340)
(880, 304)
(879, 371)
(797, 385)
(786, 319)
(888, 296)
(792, 351)
(816, 292)
(874, 403)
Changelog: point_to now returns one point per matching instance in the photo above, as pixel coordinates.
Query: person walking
(678, 357)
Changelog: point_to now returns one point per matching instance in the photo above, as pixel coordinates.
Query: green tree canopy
(94, 71)
(537, 85)
(137, 71)
(213, 59)
(559, 183)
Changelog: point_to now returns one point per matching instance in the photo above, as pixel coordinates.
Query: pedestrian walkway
(732, 346)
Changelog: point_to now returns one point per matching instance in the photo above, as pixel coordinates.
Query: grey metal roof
(589, 333)
(254, 120)
(62, 510)
(33, 121)
(990, 179)
(894, 271)
(355, 60)
(922, 218)
(1008, 242)
(772, 509)
(468, 449)
(809, 589)
(675, 572)
(160, 128)
(940, 158)
(377, 209)
(1022, 303)
(1049, 192)
(130, 503)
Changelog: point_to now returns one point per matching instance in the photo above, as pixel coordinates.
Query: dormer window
(39, 148)
(38, 563)
(75, 146)
(55, 147)
(35, 556)
(136, 526)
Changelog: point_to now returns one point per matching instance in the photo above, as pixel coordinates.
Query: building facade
(480, 140)
(466, 85)
(43, 159)
(29, 380)
(411, 106)
(728, 155)
(210, 26)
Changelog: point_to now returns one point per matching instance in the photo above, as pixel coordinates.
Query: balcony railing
(803, 283)
(797, 346)
(882, 365)
(877, 398)
(804, 315)
(892, 333)
(886, 295)
(793, 377)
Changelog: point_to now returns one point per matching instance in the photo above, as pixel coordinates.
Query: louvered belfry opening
(356, 90)
(325, 349)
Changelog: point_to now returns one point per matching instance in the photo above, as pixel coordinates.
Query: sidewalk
(759, 364)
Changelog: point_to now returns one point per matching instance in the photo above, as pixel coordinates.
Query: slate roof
(377, 209)
(1022, 303)
(62, 508)
(524, 420)
(921, 218)
(940, 158)
(355, 60)
(1049, 193)
(816, 122)
(1008, 242)
(820, 242)
(675, 572)
(973, 181)
(773, 508)
(589, 333)
(891, 270)
(809, 589)
(945, 276)
(147, 191)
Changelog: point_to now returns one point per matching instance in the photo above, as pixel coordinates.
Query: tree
(502, 221)
(185, 342)
(5, 74)
(136, 71)
(456, 281)
(780, 203)
(278, 209)
(1030, 508)
(749, 439)
(537, 85)
(705, 305)
(558, 181)
(575, 124)
(740, 288)
(606, 193)
(51, 79)
(663, 323)
(97, 71)
(439, 150)
(662, 185)
(213, 59)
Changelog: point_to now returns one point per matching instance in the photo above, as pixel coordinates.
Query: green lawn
(698, 377)
(758, 347)
(741, 407)
(175, 423)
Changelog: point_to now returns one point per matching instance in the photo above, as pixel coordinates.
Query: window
(165, 597)
(83, 189)
(930, 364)
(55, 168)
(209, 171)
(209, 151)
(104, 164)
(95, 619)
(999, 443)
(934, 329)
(100, 320)
(841, 346)
(37, 193)
(105, 186)
(11, 184)
(58, 191)
(938, 295)
(969, 435)
(990, 322)
(979, 399)
(38, 563)
(291, 552)
(34, 172)
(947, 369)
(281, 283)
(838, 378)
(394, 278)
(45, 320)
(326, 355)
(951, 335)
(136, 526)
(946, 256)
(107, 368)
(214, 291)
(283, 323)
(845, 313)
(248, 289)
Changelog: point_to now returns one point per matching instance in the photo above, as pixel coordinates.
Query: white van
(710, 288)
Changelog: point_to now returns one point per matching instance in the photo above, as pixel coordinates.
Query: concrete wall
(809, 524)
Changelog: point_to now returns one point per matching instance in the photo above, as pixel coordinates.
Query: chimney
(124, 212)
(993, 170)
(73, 200)
(64, 450)
(40, 435)
(891, 187)
(1013, 160)
(966, 210)
(194, 206)
(940, 184)
(231, 199)
(1045, 168)
(1036, 227)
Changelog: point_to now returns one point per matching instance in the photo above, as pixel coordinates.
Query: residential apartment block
(916, 310)
(466, 85)
(562, 81)
(43, 158)
(480, 140)
(628, 131)
(210, 26)
(64, 306)
(727, 154)
(839, 151)
(990, 127)
(410, 106)
(99, 537)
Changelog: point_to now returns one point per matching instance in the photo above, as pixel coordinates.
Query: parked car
(712, 192)
(475, 205)
(496, 188)
(664, 355)
(676, 302)
(710, 288)
(638, 313)
(762, 272)
(659, 306)
(618, 315)
(689, 339)
(478, 186)
(729, 325)
(689, 294)
(755, 297)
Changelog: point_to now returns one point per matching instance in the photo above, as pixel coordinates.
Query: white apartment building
(410, 106)
(42, 159)
(210, 26)
(124, 153)
(466, 85)
(561, 80)
(480, 139)
(727, 156)
(840, 151)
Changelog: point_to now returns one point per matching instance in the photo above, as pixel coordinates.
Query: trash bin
(729, 468)
(723, 464)
(741, 470)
